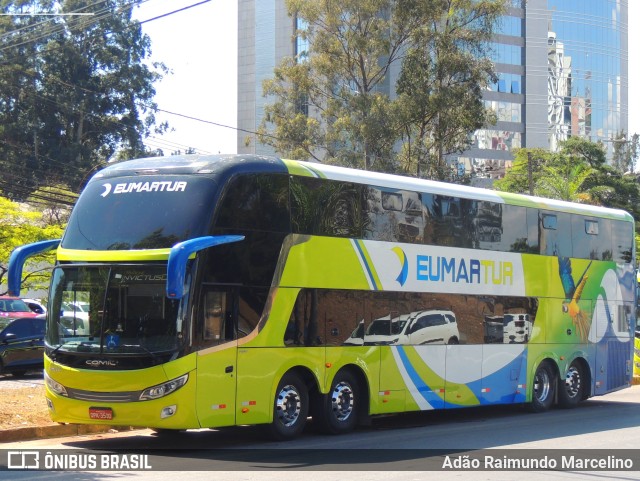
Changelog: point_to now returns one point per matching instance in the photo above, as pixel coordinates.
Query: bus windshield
(127, 311)
(141, 213)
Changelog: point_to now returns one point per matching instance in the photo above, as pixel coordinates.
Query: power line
(146, 106)
(57, 28)
(175, 11)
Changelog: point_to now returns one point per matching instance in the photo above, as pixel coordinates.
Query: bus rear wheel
(571, 389)
(290, 408)
(337, 411)
(544, 386)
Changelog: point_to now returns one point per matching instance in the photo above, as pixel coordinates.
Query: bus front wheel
(571, 389)
(290, 408)
(337, 411)
(544, 385)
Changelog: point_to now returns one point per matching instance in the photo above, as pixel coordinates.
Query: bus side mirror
(180, 254)
(19, 256)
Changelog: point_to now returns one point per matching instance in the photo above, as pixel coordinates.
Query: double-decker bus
(234, 290)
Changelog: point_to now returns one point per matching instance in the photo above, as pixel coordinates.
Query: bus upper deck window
(591, 227)
(549, 221)
(392, 201)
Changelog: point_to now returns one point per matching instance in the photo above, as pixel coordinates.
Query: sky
(634, 66)
(199, 44)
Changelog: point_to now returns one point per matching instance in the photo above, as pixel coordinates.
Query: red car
(14, 307)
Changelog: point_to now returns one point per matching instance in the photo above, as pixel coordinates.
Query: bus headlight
(161, 390)
(55, 386)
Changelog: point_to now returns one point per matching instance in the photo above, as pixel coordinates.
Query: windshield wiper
(155, 358)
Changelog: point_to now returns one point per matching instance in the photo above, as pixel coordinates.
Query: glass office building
(561, 64)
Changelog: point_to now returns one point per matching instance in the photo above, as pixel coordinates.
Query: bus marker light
(328, 365)
(384, 393)
(248, 403)
(486, 389)
(522, 386)
(219, 406)
(245, 410)
(562, 358)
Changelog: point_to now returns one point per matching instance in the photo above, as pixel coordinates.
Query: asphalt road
(391, 448)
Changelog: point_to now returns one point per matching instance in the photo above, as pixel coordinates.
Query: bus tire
(290, 408)
(544, 386)
(338, 410)
(571, 388)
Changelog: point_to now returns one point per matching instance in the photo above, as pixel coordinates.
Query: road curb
(56, 430)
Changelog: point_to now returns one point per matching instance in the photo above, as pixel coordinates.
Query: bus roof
(191, 164)
(211, 164)
(443, 188)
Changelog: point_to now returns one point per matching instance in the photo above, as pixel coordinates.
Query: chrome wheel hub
(541, 385)
(342, 401)
(288, 405)
(573, 382)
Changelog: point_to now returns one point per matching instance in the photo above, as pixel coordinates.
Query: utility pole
(530, 171)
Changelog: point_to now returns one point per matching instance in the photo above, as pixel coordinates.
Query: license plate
(101, 413)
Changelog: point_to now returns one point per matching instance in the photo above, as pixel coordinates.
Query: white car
(417, 328)
(517, 328)
(35, 305)
(75, 317)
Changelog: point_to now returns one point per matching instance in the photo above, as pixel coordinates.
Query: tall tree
(75, 89)
(525, 172)
(332, 103)
(625, 152)
(329, 102)
(440, 87)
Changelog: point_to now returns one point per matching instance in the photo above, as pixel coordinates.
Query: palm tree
(566, 182)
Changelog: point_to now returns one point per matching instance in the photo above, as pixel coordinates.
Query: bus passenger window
(214, 309)
(251, 302)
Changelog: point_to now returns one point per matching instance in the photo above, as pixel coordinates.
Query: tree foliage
(23, 225)
(578, 173)
(445, 69)
(75, 90)
(625, 152)
(331, 103)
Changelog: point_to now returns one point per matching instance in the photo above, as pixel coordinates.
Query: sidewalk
(56, 430)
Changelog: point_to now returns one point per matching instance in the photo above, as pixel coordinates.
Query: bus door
(216, 321)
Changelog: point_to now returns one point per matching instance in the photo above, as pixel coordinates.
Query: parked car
(517, 328)
(14, 307)
(35, 305)
(21, 345)
(78, 310)
(433, 326)
(636, 356)
(75, 317)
